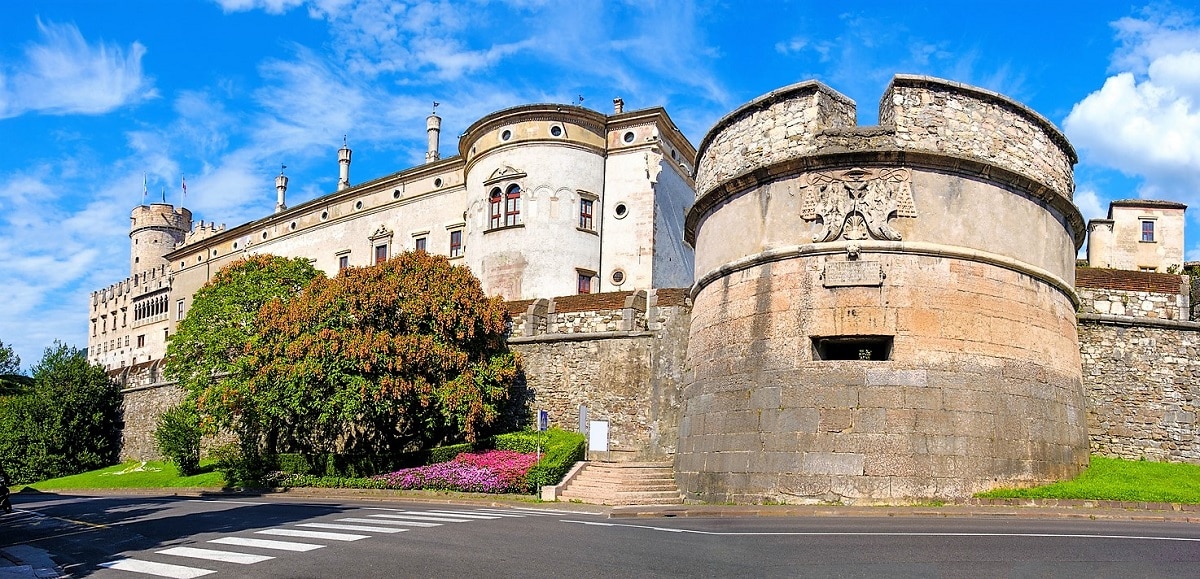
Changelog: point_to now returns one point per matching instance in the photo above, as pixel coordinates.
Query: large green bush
(178, 438)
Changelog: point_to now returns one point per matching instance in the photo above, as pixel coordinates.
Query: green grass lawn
(152, 474)
(1120, 480)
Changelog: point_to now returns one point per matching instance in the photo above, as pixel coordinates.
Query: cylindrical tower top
(154, 231)
(281, 183)
(344, 165)
(433, 126)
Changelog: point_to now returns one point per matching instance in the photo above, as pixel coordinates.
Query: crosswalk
(177, 562)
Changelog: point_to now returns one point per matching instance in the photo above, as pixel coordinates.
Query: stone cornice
(1130, 321)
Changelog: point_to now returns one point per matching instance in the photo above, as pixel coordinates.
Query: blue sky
(94, 94)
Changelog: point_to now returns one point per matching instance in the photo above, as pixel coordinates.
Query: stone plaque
(853, 273)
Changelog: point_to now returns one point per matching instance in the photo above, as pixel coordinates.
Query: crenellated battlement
(201, 232)
(156, 230)
(773, 134)
(160, 215)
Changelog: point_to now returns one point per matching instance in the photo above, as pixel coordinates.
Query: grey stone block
(832, 463)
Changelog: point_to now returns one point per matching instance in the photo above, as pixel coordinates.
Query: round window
(235, 245)
(628, 137)
(618, 277)
(292, 226)
(621, 210)
(199, 258)
(437, 182)
(358, 204)
(396, 194)
(556, 131)
(214, 253)
(506, 135)
(264, 235)
(324, 215)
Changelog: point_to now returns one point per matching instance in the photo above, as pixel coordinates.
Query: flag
(144, 192)
(183, 183)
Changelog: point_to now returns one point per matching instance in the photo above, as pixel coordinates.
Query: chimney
(281, 190)
(433, 126)
(344, 165)
(618, 105)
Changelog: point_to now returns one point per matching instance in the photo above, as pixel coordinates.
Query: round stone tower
(882, 313)
(155, 230)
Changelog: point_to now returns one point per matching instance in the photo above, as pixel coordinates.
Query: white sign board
(598, 436)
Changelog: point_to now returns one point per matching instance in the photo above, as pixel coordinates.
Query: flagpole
(144, 192)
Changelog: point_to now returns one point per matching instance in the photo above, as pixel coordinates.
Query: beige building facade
(542, 200)
(1138, 235)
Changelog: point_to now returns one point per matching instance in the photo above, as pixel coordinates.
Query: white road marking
(464, 515)
(544, 512)
(312, 534)
(213, 555)
(363, 528)
(387, 522)
(419, 517)
(159, 569)
(266, 544)
(410, 523)
(884, 533)
(248, 503)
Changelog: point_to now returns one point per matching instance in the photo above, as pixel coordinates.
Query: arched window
(496, 202)
(512, 205)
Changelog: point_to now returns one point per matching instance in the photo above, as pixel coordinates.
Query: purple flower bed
(494, 471)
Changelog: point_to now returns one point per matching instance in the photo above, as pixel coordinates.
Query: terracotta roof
(1119, 279)
(672, 296)
(590, 302)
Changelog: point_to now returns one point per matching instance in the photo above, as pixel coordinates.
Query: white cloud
(1090, 204)
(63, 74)
(269, 6)
(1145, 120)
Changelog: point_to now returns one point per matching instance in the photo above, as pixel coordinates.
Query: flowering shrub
(493, 471)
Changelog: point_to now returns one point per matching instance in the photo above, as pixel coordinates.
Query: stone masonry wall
(140, 410)
(1136, 294)
(1141, 381)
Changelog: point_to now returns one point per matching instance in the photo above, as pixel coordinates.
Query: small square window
(343, 262)
(585, 282)
(456, 248)
(585, 213)
(141, 341)
(1148, 231)
(420, 244)
(381, 254)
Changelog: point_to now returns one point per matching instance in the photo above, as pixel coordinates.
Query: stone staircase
(623, 483)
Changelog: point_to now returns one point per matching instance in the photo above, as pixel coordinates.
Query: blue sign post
(543, 424)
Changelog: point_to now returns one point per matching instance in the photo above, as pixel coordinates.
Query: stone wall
(1137, 294)
(624, 364)
(1141, 379)
(140, 410)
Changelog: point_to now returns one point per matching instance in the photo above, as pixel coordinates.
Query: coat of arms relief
(857, 204)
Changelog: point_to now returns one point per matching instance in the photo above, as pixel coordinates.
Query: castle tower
(154, 232)
(344, 166)
(882, 313)
(433, 128)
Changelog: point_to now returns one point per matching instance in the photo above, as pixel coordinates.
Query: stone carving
(857, 204)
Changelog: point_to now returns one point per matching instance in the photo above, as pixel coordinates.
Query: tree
(379, 359)
(11, 380)
(67, 423)
(211, 339)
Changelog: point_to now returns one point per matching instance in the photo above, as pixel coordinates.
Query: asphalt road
(132, 537)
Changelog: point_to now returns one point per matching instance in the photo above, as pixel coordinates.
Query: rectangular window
(179, 310)
(1148, 231)
(343, 262)
(861, 348)
(381, 254)
(456, 249)
(420, 244)
(585, 283)
(126, 341)
(141, 343)
(585, 213)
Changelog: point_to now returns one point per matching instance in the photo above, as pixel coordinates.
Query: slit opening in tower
(862, 348)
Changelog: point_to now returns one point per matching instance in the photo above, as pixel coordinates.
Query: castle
(799, 309)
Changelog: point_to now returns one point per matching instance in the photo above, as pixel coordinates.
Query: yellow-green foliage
(152, 474)
(1120, 480)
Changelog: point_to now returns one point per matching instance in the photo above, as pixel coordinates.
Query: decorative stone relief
(857, 204)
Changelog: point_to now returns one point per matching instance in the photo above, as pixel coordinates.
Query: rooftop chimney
(618, 105)
(433, 126)
(281, 190)
(344, 165)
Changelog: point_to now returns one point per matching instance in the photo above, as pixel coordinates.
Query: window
(343, 262)
(512, 205)
(420, 244)
(585, 213)
(126, 341)
(862, 348)
(141, 341)
(456, 249)
(585, 282)
(179, 310)
(1148, 268)
(1148, 231)
(496, 203)
(381, 253)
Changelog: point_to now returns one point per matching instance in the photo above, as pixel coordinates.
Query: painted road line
(387, 522)
(495, 513)
(312, 534)
(463, 515)
(430, 518)
(266, 544)
(159, 569)
(214, 555)
(226, 501)
(408, 522)
(363, 528)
